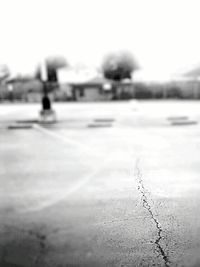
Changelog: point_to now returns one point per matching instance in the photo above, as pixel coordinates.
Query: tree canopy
(56, 62)
(119, 65)
(4, 72)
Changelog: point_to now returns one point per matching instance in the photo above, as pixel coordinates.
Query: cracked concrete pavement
(73, 195)
(145, 202)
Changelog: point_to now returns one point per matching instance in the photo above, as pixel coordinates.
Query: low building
(22, 89)
(101, 89)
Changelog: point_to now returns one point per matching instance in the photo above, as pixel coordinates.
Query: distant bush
(174, 92)
(143, 94)
(142, 91)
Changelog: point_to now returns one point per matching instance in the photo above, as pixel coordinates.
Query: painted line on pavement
(72, 189)
(75, 187)
(66, 140)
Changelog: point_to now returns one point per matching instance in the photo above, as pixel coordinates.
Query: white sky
(164, 35)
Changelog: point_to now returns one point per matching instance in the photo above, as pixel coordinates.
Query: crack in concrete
(147, 206)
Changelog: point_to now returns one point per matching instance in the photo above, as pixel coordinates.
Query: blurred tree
(50, 83)
(118, 66)
(4, 72)
(37, 73)
(54, 63)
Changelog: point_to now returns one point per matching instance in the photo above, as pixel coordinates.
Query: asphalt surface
(109, 184)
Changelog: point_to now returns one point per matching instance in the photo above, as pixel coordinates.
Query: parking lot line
(67, 140)
(72, 189)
